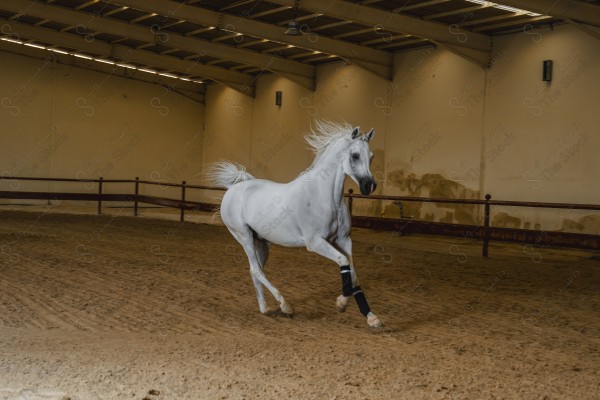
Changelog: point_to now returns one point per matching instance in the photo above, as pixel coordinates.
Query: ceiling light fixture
(293, 26)
(293, 29)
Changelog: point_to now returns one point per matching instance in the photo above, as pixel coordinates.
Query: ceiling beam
(474, 47)
(328, 26)
(577, 11)
(495, 18)
(303, 73)
(420, 5)
(252, 43)
(268, 12)
(237, 4)
(354, 33)
(299, 19)
(115, 11)
(381, 61)
(200, 30)
(385, 39)
(86, 4)
(191, 90)
(236, 80)
(586, 28)
(403, 43)
(465, 10)
(515, 22)
(142, 18)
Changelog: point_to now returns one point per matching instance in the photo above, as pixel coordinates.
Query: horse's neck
(327, 176)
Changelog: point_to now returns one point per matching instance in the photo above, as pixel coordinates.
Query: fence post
(350, 191)
(100, 195)
(486, 225)
(137, 192)
(182, 199)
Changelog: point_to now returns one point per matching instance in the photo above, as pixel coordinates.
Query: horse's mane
(323, 135)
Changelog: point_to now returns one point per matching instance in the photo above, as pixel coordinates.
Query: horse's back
(254, 190)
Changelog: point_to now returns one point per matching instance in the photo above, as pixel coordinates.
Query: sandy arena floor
(105, 307)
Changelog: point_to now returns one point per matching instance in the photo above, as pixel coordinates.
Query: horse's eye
(355, 156)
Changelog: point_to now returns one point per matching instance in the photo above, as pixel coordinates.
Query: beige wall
(434, 135)
(444, 127)
(278, 151)
(549, 127)
(62, 121)
(541, 138)
(228, 125)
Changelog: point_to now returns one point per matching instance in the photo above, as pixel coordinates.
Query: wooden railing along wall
(484, 232)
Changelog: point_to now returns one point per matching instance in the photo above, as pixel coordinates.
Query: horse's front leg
(351, 287)
(349, 278)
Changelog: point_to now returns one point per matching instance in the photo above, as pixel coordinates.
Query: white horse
(309, 211)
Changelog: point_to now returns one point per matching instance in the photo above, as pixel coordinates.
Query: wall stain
(435, 186)
(589, 224)
(585, 224)
(504, 220)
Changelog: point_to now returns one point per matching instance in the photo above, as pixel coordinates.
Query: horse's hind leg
(262, 304)
(249, 243)
(261, 248)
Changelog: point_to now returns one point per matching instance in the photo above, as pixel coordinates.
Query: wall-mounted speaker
(547, 71)
(278, 98)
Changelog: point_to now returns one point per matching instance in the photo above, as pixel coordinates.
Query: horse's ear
(370, 135)
(355, 133)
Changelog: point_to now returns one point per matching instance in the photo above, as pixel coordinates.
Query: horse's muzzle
(367, 186)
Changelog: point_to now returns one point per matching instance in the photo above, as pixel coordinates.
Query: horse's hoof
(341, 303)
(287, 309)
(374, 321)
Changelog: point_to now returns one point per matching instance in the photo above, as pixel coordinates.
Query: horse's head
(357, 160)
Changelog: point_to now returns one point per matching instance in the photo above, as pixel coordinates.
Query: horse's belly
(279, 227)
(284, 240)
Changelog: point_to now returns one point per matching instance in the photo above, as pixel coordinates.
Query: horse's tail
(227, 174)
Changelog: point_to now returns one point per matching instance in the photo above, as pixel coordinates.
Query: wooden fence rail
(484, 232)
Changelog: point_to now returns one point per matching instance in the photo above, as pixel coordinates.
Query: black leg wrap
(361, 300)
(346, 281)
